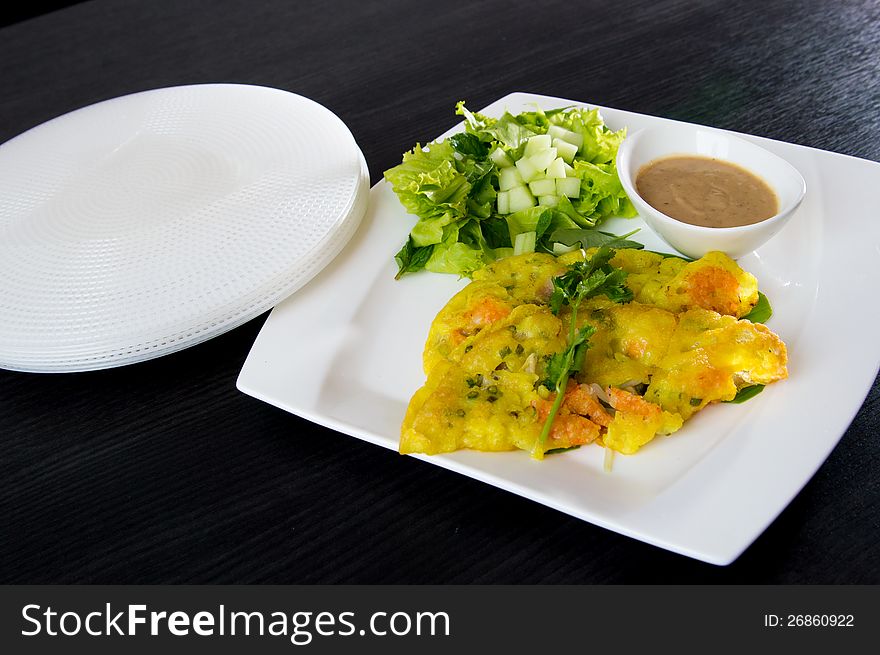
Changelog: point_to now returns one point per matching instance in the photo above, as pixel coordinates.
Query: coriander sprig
(592, 277)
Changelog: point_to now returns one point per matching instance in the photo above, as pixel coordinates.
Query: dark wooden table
(163, 472)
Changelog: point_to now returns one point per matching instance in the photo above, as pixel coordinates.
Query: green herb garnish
(591, 277)
(496, 232)
(667, 255)
(761, 312)
(553, 451)
(746, 393)
(412, 258)
(593, 239)
(469, 144)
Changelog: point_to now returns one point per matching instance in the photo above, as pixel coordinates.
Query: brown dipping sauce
(705, 191)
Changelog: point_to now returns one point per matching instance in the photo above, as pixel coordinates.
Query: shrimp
(579, 420)
(571, 430)
(488, 310)
(579, 399)
(630, 403)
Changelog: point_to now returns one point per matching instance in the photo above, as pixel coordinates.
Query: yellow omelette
(654, 362)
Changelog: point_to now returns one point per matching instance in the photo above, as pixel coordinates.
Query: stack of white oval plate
(148, 223)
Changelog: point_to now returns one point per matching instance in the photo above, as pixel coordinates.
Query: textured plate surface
(708, 490)
(148, 223)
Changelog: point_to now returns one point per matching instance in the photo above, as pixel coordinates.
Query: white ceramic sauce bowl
(647, 145)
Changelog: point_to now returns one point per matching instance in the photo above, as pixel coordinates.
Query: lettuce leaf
(429, 185)
(454, 256)
(527, 220)
(510, 132)
(600, 143)
(602, 195)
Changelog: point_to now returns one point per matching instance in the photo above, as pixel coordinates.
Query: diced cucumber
(537, 144)
(527, 169)
(501, 158)
(524, 242)
(557, 132)
(503, 202)
(565, 149)
(569, 171)
(543, 159)
(542, 187)
(519, 198)
(573, 138)
(561, 248)
(548, 201)
(569, 187)
(556, 168)
(509, 178)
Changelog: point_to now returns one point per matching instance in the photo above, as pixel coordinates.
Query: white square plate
(345, 352)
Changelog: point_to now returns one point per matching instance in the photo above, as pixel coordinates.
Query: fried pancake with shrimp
(652, 363)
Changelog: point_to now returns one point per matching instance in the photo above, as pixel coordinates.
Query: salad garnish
(511, 185)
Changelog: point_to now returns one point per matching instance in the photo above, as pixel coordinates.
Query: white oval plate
(708, 490)
(145, 224)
